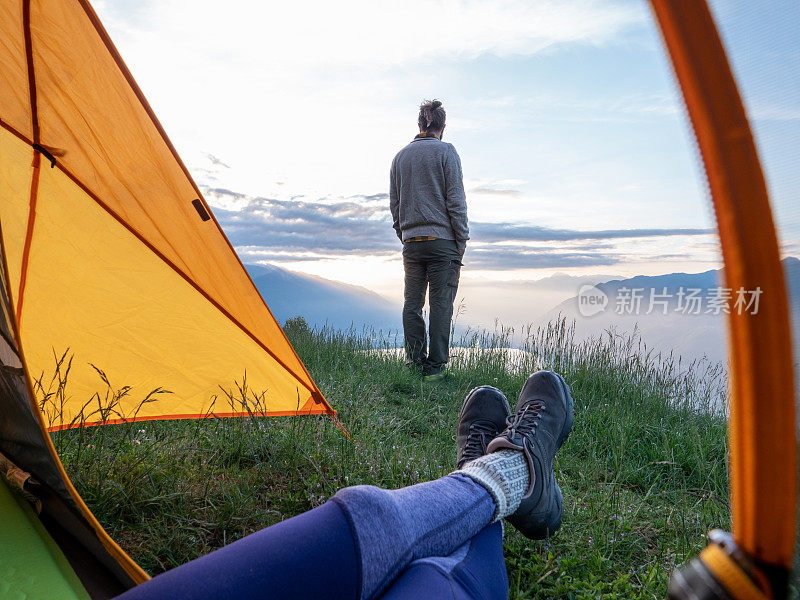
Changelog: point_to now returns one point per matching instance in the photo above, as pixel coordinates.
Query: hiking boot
(542, 421)
(483, 415)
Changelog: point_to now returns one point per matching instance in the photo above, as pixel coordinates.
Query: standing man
(429, 210)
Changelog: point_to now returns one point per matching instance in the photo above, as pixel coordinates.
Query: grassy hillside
(643, 473)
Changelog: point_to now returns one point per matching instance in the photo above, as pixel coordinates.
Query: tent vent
(201, 210)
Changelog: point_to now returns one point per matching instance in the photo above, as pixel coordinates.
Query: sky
(577, 156)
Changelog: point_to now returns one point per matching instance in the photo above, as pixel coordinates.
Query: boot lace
(525, 422)
(479, 436)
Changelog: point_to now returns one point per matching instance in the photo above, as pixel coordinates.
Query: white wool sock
(505, 476)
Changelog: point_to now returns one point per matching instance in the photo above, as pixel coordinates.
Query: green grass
(643, 473)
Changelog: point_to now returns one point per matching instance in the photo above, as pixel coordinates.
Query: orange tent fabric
(763, 436)
(113, 254)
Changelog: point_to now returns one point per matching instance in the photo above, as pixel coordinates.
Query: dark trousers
(433, 266)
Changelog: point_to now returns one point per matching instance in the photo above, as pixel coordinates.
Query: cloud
(339, 227)
(497, 258)
(494, 191)
(261, 255)
(216, 161)
(283, 230)
(375, 197)
(602, 106)
(320, 95)
(380, 33)
(500, 232)
(774, 111)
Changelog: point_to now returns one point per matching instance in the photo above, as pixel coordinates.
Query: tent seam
(35, 132)
(26, 247)
(177, 417)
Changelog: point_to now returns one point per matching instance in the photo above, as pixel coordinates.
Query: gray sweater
(426, 192)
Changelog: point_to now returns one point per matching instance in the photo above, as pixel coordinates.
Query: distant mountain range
(690, 328)
(517, 303)
(322, 301)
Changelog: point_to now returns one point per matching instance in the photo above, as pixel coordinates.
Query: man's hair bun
(431, 116)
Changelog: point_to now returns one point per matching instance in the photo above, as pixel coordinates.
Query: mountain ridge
(691, 335)
(322, 301)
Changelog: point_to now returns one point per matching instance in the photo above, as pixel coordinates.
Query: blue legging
(431, 540)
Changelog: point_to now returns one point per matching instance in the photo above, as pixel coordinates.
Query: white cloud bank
(320, 95)
(357, 33)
